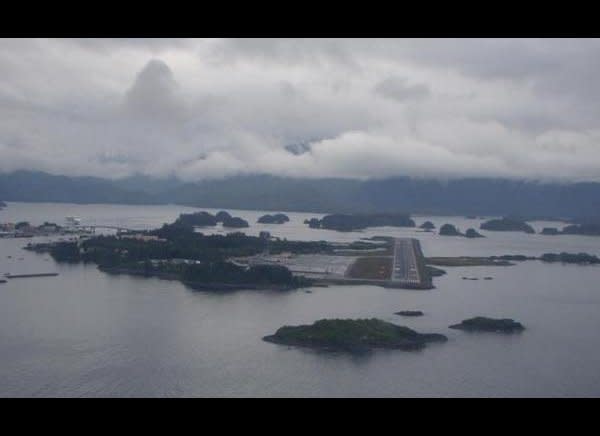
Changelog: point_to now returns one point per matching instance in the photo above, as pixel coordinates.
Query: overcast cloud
(201, 109)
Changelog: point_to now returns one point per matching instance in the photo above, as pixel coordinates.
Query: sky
(351, 108)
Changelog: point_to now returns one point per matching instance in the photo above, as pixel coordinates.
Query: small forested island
(507, 260)
(409, 313)
(2, 204)
(550, 231)
(483, 324)
(353, 335)
(197, 219)
(517, 257)
(427, 225)
(278, 218)
(468, 261)
(578, 258)
(235, 222)
(313, 223)
(347, 223)
(587, 229)
(222, 216)
(449, 230)
(507, 225)
(205, 219)
(472, 233)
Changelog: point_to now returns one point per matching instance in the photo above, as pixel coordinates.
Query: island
(472, 233)
(235, 222)
(348, 223)
(468, 261)
(222, 216)
(278, 218)
(196, 219)
(353, 335)
(483, 324)
(550, 231)
(517, 257)
(586, 229)
(427, 225)
(205, 219)
(313, 223)
(2, 204)
(577, 258)
(507, 225)
(409, 313)
(178, 251)
(449, 230)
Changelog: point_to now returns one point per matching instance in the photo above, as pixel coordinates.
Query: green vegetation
(518, 257)
(222, 216)
(205, 219)
(179, 252)
(507, 225)
(483, 324)
(449, 230)
(579, 258)
(214, 275)
(467, 261)
(372, 268)
(197, 219)
(427, 225)
(472, 233)
(235, 222)
(550, 231)
(353, 335)
(588, 229)
(347, 223)
(278, 218)
(409, 313)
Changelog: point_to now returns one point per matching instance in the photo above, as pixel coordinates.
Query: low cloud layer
(200, 109)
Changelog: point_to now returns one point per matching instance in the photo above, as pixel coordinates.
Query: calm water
(85, 333)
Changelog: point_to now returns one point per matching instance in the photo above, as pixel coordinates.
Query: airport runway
(406, 268)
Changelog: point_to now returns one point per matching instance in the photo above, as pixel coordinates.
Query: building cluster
(26, 230)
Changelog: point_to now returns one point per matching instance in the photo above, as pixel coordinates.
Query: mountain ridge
(468, 196)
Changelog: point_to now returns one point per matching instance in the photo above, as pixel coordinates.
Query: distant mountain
(473, 196)
(37, 186)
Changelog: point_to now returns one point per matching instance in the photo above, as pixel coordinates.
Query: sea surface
(88, 334)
